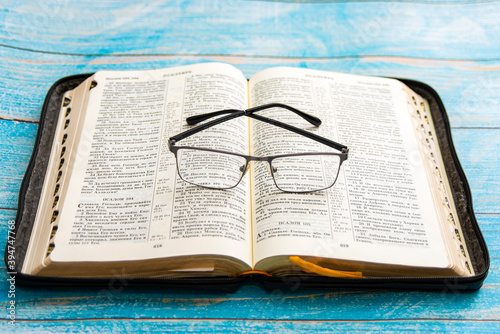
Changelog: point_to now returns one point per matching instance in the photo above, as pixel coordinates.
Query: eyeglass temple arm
(299, 131)
(238, 113)
(234, 113)
(200, 118)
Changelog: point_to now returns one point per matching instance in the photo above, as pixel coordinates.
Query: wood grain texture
(261, 326)
(452, 45)
(254, 28)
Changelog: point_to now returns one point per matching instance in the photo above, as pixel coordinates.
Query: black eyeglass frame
(235, 113)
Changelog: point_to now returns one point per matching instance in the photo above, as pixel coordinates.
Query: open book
(113, 202)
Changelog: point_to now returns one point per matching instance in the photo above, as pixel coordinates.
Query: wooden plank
(475, 147)
(257, 28)
(469, 89)
(247, 326)
(253, 303)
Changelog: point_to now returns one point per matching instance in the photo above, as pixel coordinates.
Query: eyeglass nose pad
(244, 168)
(274, 171)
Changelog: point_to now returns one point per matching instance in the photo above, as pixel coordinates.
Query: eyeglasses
(294, 173)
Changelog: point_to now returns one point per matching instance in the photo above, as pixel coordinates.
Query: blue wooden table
(452, 45)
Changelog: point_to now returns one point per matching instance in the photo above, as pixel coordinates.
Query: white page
(380, 210)
(127, 201)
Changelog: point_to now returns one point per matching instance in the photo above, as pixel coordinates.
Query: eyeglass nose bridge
(269, 167)
(250, 158)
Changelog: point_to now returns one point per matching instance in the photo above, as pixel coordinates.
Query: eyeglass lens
(305, 173)
(210, 169)
(297, 173)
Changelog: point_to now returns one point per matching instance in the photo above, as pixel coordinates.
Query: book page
(380, 209)
(127, 201)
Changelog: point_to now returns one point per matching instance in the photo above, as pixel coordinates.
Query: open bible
(112, 200)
